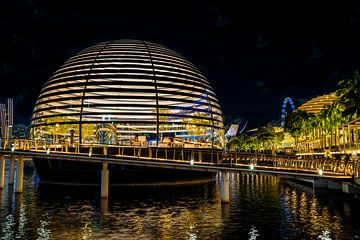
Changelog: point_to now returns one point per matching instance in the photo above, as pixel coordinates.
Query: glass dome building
(129, 92)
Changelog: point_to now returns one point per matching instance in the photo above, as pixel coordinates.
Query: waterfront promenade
(318, 171)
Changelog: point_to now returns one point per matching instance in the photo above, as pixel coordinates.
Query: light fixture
(48, 151)
(252, 166)
(192, 162)
(320, 172)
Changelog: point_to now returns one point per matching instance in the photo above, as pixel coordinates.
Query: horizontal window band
(124, 84)
(180, 116)
(184, 100)
(98, 65)
(118, 61)
(130, 78)
(119, 122)
(161, 107)
(114, 90)
(118, 57)
(130, 74)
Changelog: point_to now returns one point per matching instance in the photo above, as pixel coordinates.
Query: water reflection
(308, 219)
(254, 233)
(261, 207)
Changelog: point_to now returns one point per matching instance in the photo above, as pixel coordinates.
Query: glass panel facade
(129, 92)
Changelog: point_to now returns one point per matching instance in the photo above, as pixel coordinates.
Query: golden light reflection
(316, 221)
(86, 231)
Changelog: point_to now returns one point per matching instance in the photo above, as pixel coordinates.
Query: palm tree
(332, 117)
(234, 143)
(297, 125)
(349, 96)
(241, 142)
(266, 135)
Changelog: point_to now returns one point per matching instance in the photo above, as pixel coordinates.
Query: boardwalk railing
(345, 167)
(198, 155)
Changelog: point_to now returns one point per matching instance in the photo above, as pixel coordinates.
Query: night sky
(254, 56)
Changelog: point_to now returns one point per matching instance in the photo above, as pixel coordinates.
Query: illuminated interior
(316, 104)
(129, 92)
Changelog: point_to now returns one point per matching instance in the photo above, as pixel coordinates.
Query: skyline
(252, 56)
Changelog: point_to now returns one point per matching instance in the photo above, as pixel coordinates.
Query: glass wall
(129, 93)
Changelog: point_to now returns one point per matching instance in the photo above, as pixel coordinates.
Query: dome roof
(127, 91)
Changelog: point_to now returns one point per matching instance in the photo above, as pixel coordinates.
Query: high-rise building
(6, 118)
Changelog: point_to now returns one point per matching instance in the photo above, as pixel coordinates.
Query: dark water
(260, 208)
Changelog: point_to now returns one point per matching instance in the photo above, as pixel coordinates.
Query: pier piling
(2, 171)
(12, 169)
(19, 175)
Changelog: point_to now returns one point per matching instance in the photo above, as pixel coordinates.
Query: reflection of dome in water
(119, 92)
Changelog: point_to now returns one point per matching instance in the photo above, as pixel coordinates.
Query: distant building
(236, 127)
(21, 131)
(6, 118)
(316, 104)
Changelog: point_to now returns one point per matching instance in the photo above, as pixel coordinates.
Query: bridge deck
(196, 165)
(196, 159)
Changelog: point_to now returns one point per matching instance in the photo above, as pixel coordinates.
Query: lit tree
(349, 95)
(297, 124)
(266, 135)
(243, 142)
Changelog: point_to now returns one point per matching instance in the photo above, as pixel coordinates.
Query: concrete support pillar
(224, 187)
(2, 171)
(105, 181)
(11, 169)
(19, 175)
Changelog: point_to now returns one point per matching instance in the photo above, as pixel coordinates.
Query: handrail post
(90, 151)
(105, 151)
(150, 152)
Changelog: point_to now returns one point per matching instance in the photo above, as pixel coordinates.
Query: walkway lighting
(320, 172)
(12, 148)
(252, 166)
(48, 151)
(192, 162)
